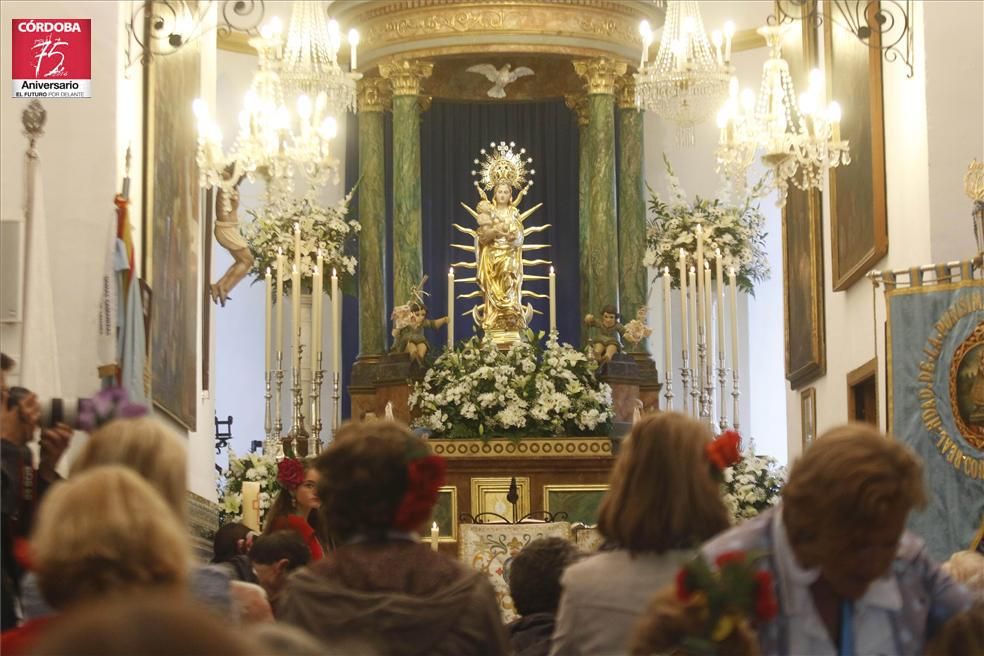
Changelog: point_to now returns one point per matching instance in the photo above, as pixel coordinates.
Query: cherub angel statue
(499, 236)
(409, 322)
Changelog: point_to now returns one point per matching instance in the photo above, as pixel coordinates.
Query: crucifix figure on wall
(229, 236)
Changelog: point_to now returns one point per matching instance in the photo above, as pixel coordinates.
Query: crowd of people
(100, 562)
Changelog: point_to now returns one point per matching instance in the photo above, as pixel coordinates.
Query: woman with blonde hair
(102, 533)
(848, 577)
(663, 501)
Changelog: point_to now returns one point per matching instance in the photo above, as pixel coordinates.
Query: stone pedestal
(649, 381)
(622, 373)
(362, 387)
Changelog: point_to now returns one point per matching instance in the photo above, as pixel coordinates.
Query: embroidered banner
(936, 403)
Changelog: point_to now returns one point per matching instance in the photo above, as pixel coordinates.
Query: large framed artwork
(858, 215)
(172, 229)
(580, 502)
(802, 243)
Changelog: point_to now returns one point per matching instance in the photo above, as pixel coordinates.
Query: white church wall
(927, 222)
(762, 408)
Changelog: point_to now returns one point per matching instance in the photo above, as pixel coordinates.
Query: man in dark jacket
(534, 583)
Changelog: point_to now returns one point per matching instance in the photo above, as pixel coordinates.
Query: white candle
(553, 301)
(297, 245)
(295, 310)
(435, 532)
(734, 319)
(707, 312)
(267, 337)
(700, 286)
(720, 299)
(251, 504)
(278, 331)
(336, 325)
(692, 296)
(317, 287)
(450, 308)
(684, 326)
(353, 37)
(667, 338)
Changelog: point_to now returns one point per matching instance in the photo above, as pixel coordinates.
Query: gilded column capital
(578, 103)
(374, 94)
(625, 92)
(406, 75)
(600, 74)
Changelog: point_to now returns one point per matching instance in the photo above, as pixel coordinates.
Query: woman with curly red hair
(296, 507)
(381, 586)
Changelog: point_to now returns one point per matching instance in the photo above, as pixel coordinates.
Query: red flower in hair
(729, 557)
(290, 473)
(766, 606)
(683, 590)
(724, 450)
(424, 476)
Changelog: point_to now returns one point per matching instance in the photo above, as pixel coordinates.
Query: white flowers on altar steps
(752, 485)
(477, 390)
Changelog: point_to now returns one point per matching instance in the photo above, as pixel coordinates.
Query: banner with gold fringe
(936, 397)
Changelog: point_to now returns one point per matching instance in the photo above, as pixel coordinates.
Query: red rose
(766, 606)
(724, 450)
(683, 590)
(290, 473)
(729, 557)
(424, 477)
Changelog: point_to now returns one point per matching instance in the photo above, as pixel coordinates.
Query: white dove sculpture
(500, 76)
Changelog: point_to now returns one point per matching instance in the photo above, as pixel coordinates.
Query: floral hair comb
(725, 450)
(109, 404)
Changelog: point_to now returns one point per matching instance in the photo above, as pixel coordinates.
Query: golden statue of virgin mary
(498, 244)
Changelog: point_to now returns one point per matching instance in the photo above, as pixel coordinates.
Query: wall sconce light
(162, 27)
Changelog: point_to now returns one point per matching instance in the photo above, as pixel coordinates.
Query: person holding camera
(22, 484)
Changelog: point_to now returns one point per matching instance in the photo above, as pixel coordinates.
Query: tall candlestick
(435, 532)
(336, 324)
(684, 326)
(317, 288)
(700, 283)
(267, 337)
(278, 331)
(353, 38)
(297, 245)
(734, 320)
(707, 309)
(720, 299)
(450, 308)
(553, 301)
(667, 338)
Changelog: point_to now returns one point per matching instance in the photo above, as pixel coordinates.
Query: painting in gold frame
(488, 495)
(808, 417)
(858, 212)
(580, 502)
(802, 243)
(172, 228)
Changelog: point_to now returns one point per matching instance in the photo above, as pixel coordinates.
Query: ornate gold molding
(626, 92)
(557, 447)
(406, 75)
(375, 94)
(578, 103)
(600, 74)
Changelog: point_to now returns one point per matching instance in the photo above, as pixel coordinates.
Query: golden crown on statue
(503, 165)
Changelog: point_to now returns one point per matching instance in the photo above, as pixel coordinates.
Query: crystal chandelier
(272, 141)
(799, 139)
(687, 81)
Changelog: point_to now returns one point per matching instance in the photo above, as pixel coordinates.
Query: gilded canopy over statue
(498, 244)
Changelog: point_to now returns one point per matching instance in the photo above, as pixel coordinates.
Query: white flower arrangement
(476, 390)
(736, 228)
(752, 485)
(324, 228)
(251, 467)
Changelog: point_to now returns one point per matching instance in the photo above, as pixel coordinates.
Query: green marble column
(600, 76)
(405, 77)
(633, 286)
(579, 104)
(372, 217)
